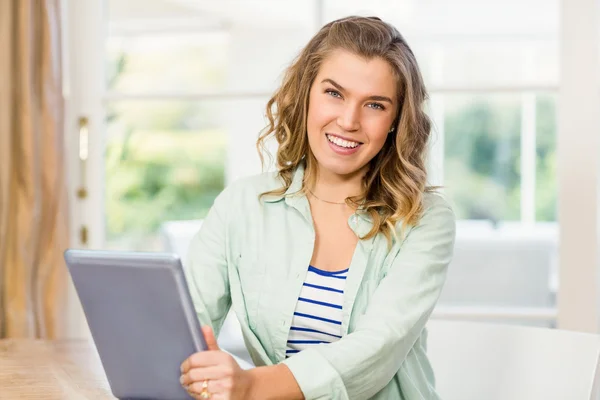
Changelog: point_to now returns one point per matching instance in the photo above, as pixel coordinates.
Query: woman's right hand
(214, 374)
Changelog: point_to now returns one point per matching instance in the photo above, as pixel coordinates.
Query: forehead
(373, 76)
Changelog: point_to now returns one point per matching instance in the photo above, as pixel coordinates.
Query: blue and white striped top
(318, 315)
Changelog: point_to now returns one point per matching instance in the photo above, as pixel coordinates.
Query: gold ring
(205, 394)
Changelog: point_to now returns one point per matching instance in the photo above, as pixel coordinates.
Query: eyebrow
(341, 89)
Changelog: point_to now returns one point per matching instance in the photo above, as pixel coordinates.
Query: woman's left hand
(214, 374)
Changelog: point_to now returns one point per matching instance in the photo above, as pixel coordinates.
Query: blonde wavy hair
(396, 179)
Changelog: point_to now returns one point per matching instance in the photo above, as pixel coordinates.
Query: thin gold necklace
(325, 201)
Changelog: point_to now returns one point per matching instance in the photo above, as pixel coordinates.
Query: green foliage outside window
(483, 155)
(159, 176)
(164, 161)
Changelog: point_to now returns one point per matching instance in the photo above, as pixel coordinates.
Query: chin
(339, 168)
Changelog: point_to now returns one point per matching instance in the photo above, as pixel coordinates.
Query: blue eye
(376, 106)
(333, 93)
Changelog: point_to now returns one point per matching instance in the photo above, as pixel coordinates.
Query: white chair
(480, 361)
(504, 266)
(177, 236)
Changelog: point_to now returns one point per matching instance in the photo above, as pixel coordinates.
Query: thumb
(209, 337)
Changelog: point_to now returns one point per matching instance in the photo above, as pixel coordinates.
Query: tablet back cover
(141, 317)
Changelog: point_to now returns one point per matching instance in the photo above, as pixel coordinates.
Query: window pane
(165, 161)
(474, 61)
(472, 42)
(482, 149)
(204, 46)
(182, 62)
(546, 193)
(500, 261)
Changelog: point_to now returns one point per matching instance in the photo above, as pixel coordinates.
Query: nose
(349, 118)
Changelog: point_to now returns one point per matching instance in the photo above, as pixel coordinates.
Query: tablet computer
(141, 318)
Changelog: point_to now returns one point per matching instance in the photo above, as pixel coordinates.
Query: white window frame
(578, 298)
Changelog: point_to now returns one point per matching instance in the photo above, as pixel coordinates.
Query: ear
(395, 124)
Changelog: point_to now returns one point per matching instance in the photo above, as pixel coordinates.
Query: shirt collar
(294, 189)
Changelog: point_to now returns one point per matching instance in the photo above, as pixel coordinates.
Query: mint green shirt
(254, 255)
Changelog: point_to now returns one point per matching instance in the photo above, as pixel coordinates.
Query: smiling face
(352, 107)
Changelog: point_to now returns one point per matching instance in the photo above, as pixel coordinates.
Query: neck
(333, 187)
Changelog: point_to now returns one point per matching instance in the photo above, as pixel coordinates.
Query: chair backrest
(501, 269)
(481, 361)
(177, 235)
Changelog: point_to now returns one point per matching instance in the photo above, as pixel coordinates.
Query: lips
(342, 146)
(342, 141)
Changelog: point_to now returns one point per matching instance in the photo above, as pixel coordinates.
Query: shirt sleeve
(362, 363)
(205, 266)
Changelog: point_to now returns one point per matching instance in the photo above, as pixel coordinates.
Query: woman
(334, 263)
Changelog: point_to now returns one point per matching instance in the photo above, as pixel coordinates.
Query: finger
(213, 387)
(202, 374)
(213, 396)
(202, 359)
(196, 388)
(209, 336)
(217, 396)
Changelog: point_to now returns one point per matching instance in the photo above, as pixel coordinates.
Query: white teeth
(341, 142)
